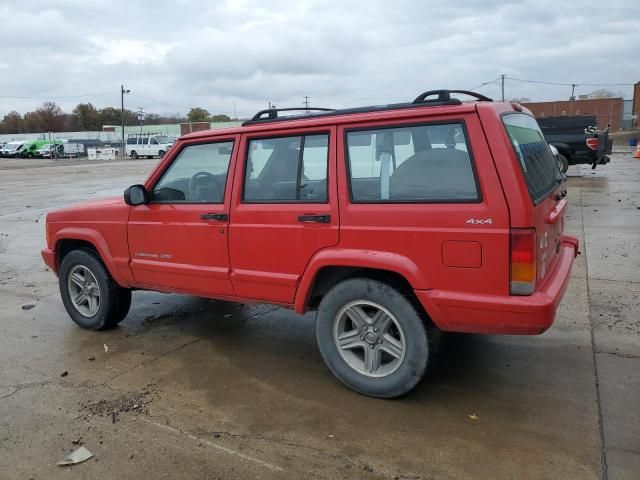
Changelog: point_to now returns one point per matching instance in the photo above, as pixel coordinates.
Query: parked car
(148, 145)
(12, 149)
(393, 223)
(577, 139)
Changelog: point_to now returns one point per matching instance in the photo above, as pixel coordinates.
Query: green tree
(198, 114)
(220, 118)
(12, 123)
(113, 116)
(86, 117)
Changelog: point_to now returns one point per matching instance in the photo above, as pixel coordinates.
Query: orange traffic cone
(637, 154)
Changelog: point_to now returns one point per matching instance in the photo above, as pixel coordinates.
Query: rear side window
(287, 170)
(538, 165)
(424, 163)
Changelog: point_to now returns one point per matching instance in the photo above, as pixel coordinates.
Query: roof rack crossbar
(445, 96)
(273, 112)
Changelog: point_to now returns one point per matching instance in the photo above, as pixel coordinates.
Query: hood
(88, 211)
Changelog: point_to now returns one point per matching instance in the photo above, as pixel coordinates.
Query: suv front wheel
(91, 297)
(372, 338)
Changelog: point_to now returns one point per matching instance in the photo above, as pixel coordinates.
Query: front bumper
(49, 257)
(503, 314)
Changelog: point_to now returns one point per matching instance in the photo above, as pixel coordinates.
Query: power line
(565, 84)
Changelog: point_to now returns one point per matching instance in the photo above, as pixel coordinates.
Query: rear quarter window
(411, 164)
(536, 160)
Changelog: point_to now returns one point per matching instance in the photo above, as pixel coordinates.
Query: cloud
(181, 53)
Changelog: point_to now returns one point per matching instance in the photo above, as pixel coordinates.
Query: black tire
(418, 337)
(563, 163)
(114, 300)
(161, 153)
(134, 154)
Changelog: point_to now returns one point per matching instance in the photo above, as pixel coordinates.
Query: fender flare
(99, 243)
(564, 149)
(372, 259)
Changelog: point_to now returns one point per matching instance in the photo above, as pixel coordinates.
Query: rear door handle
(315, 218)
(221, 217)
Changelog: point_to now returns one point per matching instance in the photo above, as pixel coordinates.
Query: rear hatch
(546, 189)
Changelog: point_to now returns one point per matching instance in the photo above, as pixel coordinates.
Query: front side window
(538, 165)
(153, 141)
(287, 169)
(197, 175)
(424, 163)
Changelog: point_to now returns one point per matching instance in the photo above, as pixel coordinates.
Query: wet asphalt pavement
(193, 388)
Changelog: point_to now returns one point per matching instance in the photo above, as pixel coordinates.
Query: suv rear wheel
(372, 338)
(90, 296)
(134, 154)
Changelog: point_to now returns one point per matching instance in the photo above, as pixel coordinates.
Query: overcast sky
(181, 53)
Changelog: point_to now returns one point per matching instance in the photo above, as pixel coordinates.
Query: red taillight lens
(592, 143)
(523, 261)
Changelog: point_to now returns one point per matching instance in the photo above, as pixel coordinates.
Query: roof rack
(422, 100)
(445, 97)
(145, 134)
(272, 113)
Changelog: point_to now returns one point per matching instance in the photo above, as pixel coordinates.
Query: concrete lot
(237, 391)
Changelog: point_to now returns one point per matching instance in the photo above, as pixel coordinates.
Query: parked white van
(148, 145)
(11, 149)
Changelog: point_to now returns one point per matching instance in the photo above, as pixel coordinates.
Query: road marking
(219, 447)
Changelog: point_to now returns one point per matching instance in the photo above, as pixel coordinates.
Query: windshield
(538, 165)
(163, 139)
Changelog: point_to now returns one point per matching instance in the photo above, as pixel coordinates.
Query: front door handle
(315, 218)
(221, 217)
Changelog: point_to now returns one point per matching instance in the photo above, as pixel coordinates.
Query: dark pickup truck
(577, 140)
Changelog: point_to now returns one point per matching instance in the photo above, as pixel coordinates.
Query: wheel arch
(330, 267)
(563, 149)
(67, 240)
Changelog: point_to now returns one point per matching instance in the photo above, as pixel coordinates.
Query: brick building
(608, 111)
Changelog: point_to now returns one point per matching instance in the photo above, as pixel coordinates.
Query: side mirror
(136, 195)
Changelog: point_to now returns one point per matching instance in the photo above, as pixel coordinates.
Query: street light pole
(123, 149)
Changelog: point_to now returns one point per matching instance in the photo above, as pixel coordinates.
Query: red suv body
(455, 209)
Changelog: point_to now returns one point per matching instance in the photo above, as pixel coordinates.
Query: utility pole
(235, 114)
(573, 90)
(502, 80)
(123, 149)
(141, 117)
(306, 103)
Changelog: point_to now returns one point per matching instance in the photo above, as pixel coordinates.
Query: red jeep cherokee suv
(393, 222)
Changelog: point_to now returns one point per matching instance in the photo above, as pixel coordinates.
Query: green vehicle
(30, 148)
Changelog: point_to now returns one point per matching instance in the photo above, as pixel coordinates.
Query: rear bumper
(503, 314)
(49, 257)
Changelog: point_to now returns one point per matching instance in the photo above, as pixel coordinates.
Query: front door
(284, 211)
(178, 241)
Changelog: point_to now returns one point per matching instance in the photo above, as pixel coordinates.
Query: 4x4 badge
(478, 221)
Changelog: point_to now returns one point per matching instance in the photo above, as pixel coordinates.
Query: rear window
(538, 165)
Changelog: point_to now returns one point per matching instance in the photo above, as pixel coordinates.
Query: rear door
(284, 209)
(544, 183)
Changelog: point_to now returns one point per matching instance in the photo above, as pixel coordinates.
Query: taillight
(592, 143)
(523, 261)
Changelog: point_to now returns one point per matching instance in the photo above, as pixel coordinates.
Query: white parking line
(219, 447)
